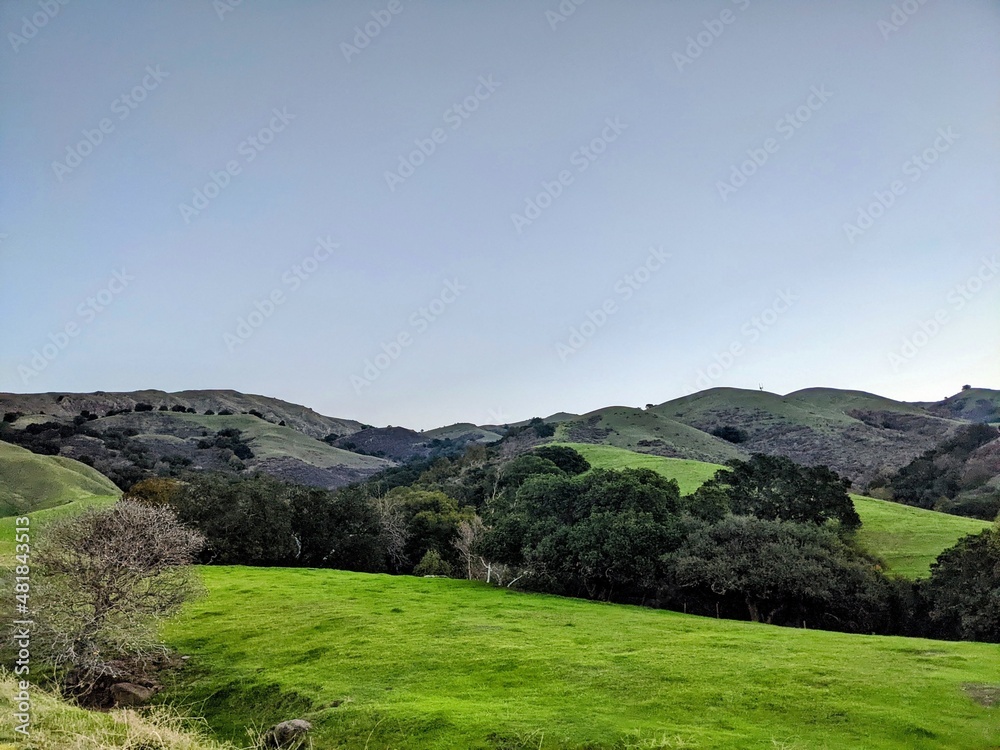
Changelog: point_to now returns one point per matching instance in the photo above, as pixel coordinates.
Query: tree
(600, 534)
(963, 590)
(431, 564)
(776, 488)
(432, 520)
(107, 578)
(567, 459)
(784, 573)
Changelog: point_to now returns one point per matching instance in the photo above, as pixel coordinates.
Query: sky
(417, 213)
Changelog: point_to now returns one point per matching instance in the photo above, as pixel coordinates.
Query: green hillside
(29, 481)
(379, 661)
(635, 429)
(690, 475)
(908, 539)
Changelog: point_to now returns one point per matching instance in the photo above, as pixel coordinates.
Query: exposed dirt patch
(984, 695)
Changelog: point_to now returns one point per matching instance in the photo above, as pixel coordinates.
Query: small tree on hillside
(107, 577)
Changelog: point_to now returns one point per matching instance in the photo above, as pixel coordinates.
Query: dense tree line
(947, 478)
(764, 540)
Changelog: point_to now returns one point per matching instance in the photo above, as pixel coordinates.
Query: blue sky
(417, 212)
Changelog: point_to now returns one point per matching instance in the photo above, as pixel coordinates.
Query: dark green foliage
(937, 477)
(144, 407)
(731, 434)
(255, 413)
(43, 438)
(567, 459)
(963, 592)
(783, 573)
(516, 472)
(209, 412)
(431, 518)
(431, 564)
(164, 407)
(262, 521)
(601, 534)
(225, 413)
(776, 488)
(12, 416)
(179, 409)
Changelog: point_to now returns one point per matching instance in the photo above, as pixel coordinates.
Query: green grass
(908, 539)
(690, 475)
(29, 481)
(55, 725)
(378, 661)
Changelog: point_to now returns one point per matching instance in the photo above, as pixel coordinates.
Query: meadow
(378, 661)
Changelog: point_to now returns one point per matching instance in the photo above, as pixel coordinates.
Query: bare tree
(468, 534)
(393, 528)
(107, 577)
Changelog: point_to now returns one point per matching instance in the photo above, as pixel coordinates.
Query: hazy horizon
(424, 213)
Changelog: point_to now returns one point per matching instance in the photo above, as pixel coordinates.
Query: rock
(130, 694)
(287, 733)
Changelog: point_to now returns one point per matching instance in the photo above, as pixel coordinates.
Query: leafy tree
(784, 573)
(963, 590)
(566, 458)
(432, 520)
(600, 534)
(774, 487)
(107, 577)
(431, 564)
(936, 477)
(514, 473)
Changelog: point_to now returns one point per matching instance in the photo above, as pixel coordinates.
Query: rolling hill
(907, 539)
(377, 661)
(30, 482)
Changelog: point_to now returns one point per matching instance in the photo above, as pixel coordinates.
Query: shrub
(431, 564)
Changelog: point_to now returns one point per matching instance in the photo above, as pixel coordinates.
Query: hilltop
(860, 435)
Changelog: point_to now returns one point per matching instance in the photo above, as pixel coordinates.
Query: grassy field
(381, 662)
(29, 481)
(908, 539)
(58, 726)
(690, 475)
